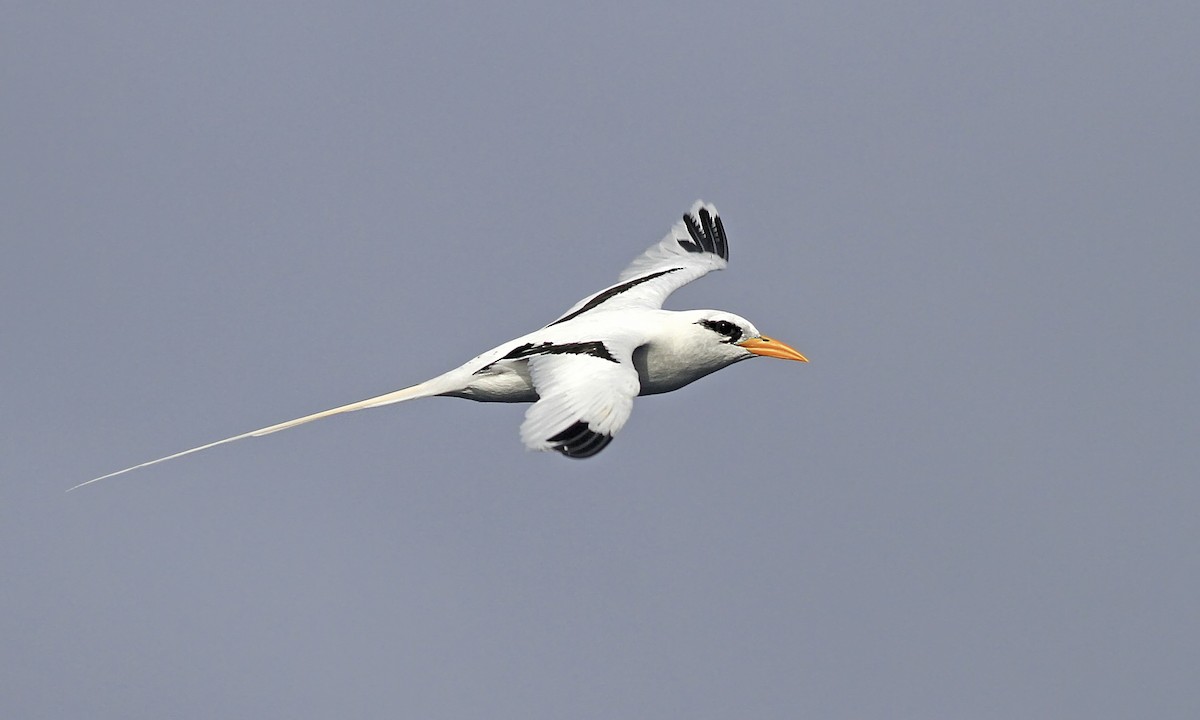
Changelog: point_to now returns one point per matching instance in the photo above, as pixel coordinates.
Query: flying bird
(582, 371)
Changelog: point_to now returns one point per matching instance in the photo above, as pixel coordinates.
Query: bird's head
(737, 338)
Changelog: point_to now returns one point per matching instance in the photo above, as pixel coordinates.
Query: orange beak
(763, 345)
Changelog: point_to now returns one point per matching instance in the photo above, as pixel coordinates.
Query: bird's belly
(508, 382)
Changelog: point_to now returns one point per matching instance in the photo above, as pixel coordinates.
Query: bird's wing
(695, 247)
(584, 399)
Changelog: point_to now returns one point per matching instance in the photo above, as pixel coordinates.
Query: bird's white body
(582, 371)
(666, 355)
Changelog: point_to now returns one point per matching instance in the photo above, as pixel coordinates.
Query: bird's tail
(425, 389)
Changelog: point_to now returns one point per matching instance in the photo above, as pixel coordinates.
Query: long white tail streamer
(410, 393)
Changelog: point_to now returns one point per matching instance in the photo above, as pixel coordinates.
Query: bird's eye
(724, 327)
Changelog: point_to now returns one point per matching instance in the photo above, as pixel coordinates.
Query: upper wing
(695, 247)
(583, 400)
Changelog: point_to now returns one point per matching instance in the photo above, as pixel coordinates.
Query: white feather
(574, 388)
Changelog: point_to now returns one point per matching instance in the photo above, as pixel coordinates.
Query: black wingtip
(707, 233)
(697, 243)
(580, 441)
(719, 238)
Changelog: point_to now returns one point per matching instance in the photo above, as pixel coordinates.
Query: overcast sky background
(981, 223)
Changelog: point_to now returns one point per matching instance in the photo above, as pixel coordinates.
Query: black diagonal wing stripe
(594, 348)
(612, 292)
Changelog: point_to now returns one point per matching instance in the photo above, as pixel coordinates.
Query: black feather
(580, 441)
(612, 292)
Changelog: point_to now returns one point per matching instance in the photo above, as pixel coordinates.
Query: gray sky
(979, 500)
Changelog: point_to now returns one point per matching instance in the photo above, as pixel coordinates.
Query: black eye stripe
(723, 327)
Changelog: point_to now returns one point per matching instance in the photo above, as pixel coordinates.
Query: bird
(582, 371)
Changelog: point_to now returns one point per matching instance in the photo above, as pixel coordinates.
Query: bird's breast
(665, 368)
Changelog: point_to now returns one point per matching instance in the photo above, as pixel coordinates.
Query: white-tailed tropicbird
(582, 371)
